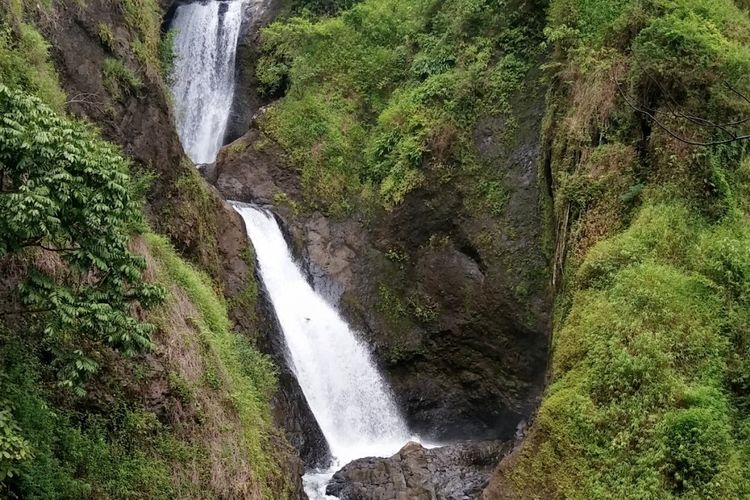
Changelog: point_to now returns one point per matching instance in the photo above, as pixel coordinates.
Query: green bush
(649, 344)
(385, 93)
(71, 454)
(68, 194)
(14, 449)
(25, 65)
(118, 79)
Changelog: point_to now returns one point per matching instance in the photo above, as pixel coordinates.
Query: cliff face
(454, 298)
(111, 63)
(650, 219)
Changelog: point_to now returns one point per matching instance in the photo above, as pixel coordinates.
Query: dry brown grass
(206, 420)
(593, 95)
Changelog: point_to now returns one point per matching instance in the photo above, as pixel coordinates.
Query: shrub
(118, 79)
(25, 65)
(384, 94)
(66, 196)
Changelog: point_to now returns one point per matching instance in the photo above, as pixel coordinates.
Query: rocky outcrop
(247, 101)
(455, 472)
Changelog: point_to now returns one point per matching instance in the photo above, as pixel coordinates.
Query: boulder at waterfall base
(455, 472)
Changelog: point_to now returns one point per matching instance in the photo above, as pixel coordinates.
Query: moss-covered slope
(648, 393)
(121, 373)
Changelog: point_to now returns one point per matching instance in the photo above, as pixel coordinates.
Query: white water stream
(205, 46)
(347, 395)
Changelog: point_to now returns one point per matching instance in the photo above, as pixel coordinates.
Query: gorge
(346, 394)
(374, 249)
(349, 399)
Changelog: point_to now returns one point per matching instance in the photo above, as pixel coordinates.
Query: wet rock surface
(455, 472)
(454, 302)
(247, 101)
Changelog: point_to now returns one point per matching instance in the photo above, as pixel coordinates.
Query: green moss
(647, 394)
(120, 80)
(390, 304)
(646, 331)
(195, 209)
(247, 300)
(144, 18)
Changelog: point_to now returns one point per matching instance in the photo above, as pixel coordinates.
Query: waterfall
(205, 45)
(347, 395)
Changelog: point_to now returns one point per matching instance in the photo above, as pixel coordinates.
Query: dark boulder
(455, 472)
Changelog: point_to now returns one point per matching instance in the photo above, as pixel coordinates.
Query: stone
(455, 472)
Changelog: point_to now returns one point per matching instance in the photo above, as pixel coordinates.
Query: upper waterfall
(205, 46)
(347, 395)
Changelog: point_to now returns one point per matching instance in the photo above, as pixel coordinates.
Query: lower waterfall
(345, 391)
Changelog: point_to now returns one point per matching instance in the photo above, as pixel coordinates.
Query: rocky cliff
(112, 65)
(453, 299)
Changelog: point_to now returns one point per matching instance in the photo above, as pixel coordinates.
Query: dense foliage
(24, 64)
(649, 393)
(66, 195)
(385, 95)
(77, 297)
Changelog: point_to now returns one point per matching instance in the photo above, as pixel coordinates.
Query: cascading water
(347, 395)
(205, 45)
(341, 384)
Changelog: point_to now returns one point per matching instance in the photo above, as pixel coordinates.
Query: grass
(120, 80)
(648, 397)
(405, 83)
(25, 64)
(250, 374)
(143, 17)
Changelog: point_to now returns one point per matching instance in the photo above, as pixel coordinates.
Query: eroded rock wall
(454, 302)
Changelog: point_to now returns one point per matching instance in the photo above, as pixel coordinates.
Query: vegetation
(68, 204)
(119, 80)
(387, 94)
(24, 64)
(251, 374)
(648, 396)
(82, 294)
(68, 210)
(650, 379)
(144, 18)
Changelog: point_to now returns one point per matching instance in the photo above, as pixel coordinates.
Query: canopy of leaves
(67, 203)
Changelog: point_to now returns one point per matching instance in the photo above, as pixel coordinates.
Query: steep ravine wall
(200, 225)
